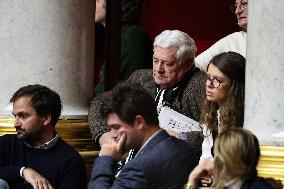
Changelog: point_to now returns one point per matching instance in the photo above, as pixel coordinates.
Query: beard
(29, 137)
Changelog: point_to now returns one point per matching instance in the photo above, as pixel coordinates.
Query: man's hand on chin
(114, 149)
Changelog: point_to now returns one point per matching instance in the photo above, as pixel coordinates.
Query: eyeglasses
(242, 5)
(214, 81)
(163, 62)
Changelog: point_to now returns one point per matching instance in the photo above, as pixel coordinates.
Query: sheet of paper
(174, 121)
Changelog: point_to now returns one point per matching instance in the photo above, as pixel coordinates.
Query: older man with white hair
(174, 80)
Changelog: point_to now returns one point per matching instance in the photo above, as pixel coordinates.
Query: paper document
(174, 121)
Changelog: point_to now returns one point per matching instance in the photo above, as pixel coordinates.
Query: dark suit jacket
(257, 183)
(164, 163)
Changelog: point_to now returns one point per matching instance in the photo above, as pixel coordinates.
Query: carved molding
(271, 163)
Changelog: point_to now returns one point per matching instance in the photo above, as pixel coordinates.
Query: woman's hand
(203, 170)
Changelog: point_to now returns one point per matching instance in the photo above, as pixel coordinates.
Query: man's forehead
(112, 118)
(170, 48)
(166, 53)
(23, 101)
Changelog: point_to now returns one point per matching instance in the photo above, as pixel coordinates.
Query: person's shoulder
(64, 145)
(9, 138)
(101, 96)
(198, 78)
(171, 146)
(67, 149)
(170, 149)
(229, 40)
(238, 35)
(198, 73)
(258, 183)
(161, 151)
(143, 72)
(178, 144)
(141, 75)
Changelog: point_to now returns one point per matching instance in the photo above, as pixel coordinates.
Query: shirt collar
(49, 144)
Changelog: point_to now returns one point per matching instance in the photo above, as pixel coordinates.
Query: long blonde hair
(238, 150)
(236, 154)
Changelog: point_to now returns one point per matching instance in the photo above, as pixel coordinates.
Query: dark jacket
(61, 165)
(189, 101)
(257, 183)
(165, 162)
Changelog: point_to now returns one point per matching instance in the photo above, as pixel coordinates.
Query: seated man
(36, 157)
(174, 79)
(162, 161)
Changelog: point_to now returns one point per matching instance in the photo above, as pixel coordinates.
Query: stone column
(49, 42)
(264, 100)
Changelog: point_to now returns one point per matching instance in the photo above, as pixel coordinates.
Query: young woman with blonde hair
(235, 162)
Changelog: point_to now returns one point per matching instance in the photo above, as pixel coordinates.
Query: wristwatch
(183, 136)
(22, 173)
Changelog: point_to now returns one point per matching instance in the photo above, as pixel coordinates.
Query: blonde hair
(236, 154)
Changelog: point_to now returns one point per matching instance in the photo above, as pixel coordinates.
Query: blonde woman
(234, 166)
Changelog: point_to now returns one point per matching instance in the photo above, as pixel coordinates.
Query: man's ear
(139, 122)
(46, 119)
(188, 65)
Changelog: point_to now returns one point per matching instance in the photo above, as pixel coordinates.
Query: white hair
(185, 45)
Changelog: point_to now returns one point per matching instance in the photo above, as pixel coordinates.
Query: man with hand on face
(162, 161)
(36, 157)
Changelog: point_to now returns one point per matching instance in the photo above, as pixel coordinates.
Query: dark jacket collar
(161, 136)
